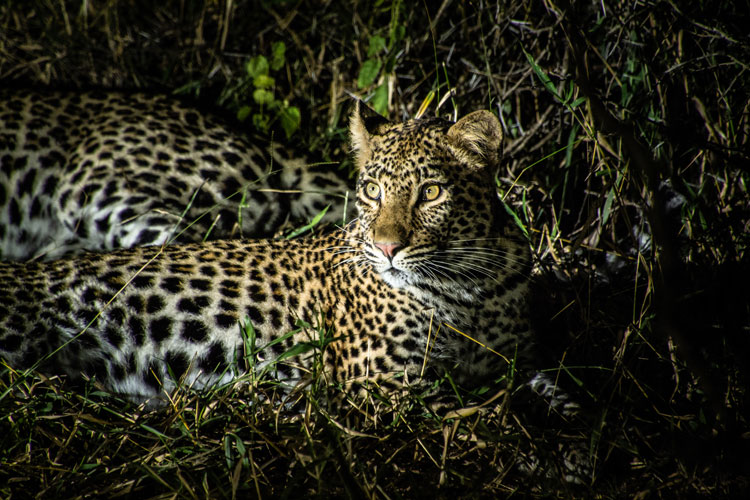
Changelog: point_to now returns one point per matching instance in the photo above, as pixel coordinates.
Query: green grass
(611, 111)
(252, 439)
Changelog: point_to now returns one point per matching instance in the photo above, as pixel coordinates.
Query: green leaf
(250, 335)
(377, 43)
(570, 146)
(262, 96)
(309, 226)
(397, 33)
(516, 219)
(243, 113)
(390, 63)
(569, 93)
(278, 55)
(546, 81)
(577, 102)
(263, 82)
(290, 119)
(260, 122)
(281, 339)
(368, 72)
(380, 99)
(607, 209)
(240, 445)
(153, 431)
(295, 350)
(507, 107)
(257, 66)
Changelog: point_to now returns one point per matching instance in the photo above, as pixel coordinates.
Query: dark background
(626, 161)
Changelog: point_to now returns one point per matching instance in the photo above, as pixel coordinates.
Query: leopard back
(106, 170)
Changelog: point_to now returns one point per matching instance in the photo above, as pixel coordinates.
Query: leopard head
(426, 195)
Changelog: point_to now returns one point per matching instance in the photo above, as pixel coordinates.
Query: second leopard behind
(102, 170)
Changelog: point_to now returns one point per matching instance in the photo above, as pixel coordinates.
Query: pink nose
(388, 249)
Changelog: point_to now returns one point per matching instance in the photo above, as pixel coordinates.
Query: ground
(625, 161)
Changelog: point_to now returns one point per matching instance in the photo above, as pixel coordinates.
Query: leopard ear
(476, 139)
(363, 125)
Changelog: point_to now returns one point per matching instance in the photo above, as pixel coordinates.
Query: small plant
(260, 362)
(309, 226)
(381, 55)
(266, 106)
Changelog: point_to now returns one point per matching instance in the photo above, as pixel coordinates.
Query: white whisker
(450, 268)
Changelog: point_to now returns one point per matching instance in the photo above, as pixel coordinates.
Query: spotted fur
(102, 170)
(432, 276)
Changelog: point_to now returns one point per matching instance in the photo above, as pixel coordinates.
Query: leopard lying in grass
(105, 170)
(433, 271)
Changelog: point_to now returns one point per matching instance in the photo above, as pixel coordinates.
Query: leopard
(101, 170)
(431, 277)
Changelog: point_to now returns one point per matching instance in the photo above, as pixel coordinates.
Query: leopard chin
(397, 278)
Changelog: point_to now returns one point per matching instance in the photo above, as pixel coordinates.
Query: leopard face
(431, 232)
(421, 206)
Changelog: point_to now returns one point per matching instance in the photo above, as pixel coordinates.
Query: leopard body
(431, 277)
(431, 254)
(105, 170)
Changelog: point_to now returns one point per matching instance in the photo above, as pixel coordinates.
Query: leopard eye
(431, 192)
(372, 190)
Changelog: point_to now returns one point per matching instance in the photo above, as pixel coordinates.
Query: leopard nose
(389, 249)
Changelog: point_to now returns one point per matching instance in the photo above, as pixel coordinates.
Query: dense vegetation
(626, 162)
